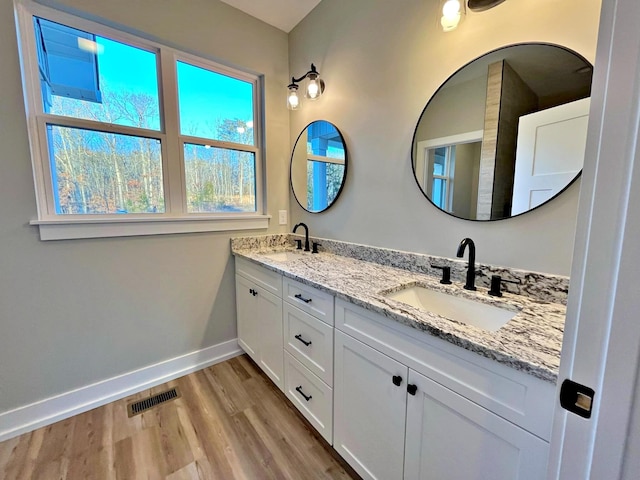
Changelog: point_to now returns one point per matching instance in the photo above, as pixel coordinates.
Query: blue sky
(205, 97)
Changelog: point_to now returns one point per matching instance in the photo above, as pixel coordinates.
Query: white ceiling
(282, 14)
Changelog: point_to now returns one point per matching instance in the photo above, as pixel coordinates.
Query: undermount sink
(481, 315)
(281, 256)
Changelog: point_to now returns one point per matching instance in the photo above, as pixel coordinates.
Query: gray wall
(381, 63)
(79, 311)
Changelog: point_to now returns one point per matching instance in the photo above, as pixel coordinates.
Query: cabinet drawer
(310, 395)
(516, 396)
(268, 280)
(310, 341)
(309, 299)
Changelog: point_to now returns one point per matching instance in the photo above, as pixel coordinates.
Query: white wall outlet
(282, 217)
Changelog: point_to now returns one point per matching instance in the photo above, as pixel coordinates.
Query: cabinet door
(269, 318)
(369, 409)
(247, 318)
(451, 437)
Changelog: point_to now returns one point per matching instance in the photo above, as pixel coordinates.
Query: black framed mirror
(504, 134)
(318, 168)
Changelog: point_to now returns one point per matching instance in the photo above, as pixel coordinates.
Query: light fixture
(482, 5)
(314, 87)
(452, 13)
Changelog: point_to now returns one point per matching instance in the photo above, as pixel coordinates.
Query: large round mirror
(318, 166)
(504, 134)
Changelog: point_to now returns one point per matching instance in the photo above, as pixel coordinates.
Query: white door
(602, 333)
(550, 153)
(452, 438)
(248, 328)
(269, 320)
(369, 409)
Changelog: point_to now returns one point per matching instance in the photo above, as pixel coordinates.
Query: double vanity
(405, 376)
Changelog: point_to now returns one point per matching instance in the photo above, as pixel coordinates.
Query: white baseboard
(50, 410)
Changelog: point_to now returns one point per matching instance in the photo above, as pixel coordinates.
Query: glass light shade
(313, 89)
(293, 100)
(452, 13)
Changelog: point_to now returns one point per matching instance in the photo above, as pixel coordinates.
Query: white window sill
(69, 228)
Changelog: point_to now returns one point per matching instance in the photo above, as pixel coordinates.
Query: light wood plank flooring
(230, 423)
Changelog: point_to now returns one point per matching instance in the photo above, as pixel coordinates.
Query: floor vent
(138, 407)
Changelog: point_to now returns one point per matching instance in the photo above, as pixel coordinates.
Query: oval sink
(478, 314)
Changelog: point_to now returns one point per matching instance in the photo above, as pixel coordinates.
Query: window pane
(86, 76)
(439, 190)
(100, 173)
(219, 179)
(323, 184)
(214, 106)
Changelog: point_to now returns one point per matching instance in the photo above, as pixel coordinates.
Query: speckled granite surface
(530, 342)
(538, 286)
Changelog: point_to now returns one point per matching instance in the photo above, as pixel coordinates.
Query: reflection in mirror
(505, 133)
(318, 166)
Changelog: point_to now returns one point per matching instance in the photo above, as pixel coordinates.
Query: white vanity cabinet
(395, 402)
(259, 317)
(448, 436)
(308, 343)
(369, 409)
(445, 419)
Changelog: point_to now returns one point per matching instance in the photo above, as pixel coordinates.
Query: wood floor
(230, 423)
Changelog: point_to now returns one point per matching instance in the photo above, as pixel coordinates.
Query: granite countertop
(531, 341)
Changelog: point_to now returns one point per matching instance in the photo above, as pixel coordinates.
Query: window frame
(175, 218)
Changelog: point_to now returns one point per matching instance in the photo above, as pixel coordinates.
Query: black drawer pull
(412, 389)
(299, 337)
(306, 397)
(300, 297)
(397, 380)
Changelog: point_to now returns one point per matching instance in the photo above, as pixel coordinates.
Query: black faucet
(471, 269)
(306, 235)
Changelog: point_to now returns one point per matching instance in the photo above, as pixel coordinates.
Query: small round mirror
(318, 166)
(504, 134)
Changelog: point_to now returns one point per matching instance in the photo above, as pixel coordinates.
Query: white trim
(55, 226)
(468, 137)
(50, 410)
(70, 228)
(325, 159)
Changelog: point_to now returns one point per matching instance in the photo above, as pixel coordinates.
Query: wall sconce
(314, 87)
(453, 11)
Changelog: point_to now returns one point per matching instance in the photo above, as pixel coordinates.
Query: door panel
(369, 409)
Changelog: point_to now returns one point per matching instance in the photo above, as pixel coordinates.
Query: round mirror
(504, 134)
(318, 166)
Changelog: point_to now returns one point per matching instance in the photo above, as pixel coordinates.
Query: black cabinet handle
(397, 380)
(299, 337)
(306, 397)
(300, 297)
(253, 292)
(412, 389)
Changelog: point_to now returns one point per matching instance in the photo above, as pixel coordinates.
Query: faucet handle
(299, 244)
(315, 247)
(496, 283)
(446, 274)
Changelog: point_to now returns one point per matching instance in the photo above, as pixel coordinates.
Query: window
(442, 160)
(131, 137)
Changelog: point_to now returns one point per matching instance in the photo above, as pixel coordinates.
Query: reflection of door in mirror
(550, 153)
(448, 168)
